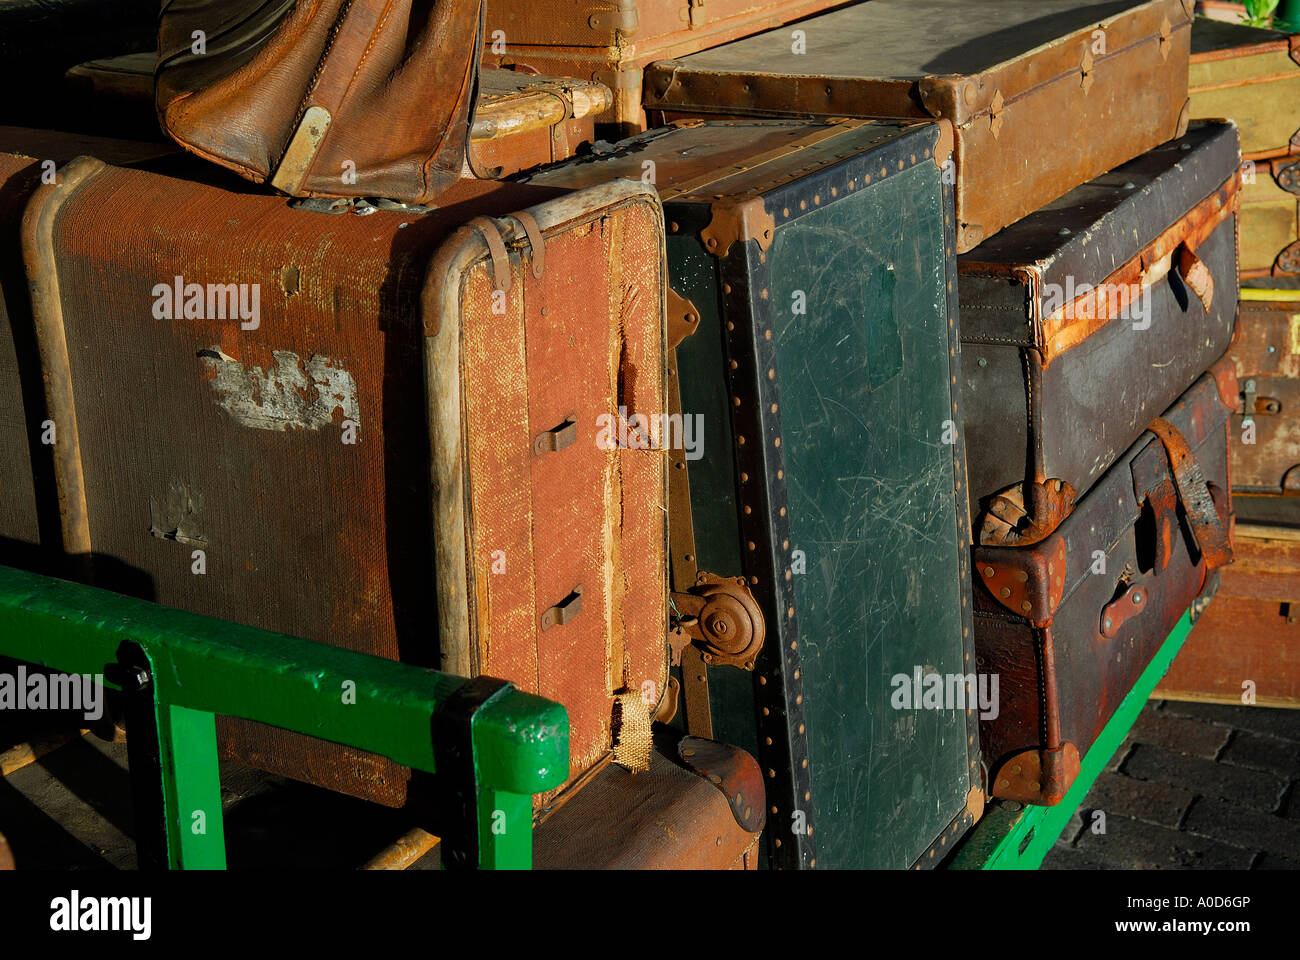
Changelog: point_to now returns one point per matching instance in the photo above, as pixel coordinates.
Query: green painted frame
(1007, 839)
(199, 667)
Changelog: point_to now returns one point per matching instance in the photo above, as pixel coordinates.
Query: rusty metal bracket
(732, 771)
(1038, 776)
(1288, 261)
(557, 438)
(744, 219)
(1288, 176)
(564, 611)
(1121, 610)
(1029, 583)
(683, 318)
(721, 617)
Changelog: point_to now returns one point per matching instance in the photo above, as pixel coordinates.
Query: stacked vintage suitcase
(869, 412)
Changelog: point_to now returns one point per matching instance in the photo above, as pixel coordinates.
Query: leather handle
(1196, 275)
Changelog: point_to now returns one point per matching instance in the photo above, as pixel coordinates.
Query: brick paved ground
(1195, 786)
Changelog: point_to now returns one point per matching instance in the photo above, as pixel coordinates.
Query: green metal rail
(490, 745)
(1015, 837)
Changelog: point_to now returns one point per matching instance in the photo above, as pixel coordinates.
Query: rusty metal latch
(721, 617)
(1123, 609)
(557, 438)
(564, 611)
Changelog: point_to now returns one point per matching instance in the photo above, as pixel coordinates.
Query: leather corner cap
(668, 818)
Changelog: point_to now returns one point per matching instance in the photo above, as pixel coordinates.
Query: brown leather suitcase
(29, 528)
(1108, 79)
(1129, 280)
(1069, 624)
(1266, 424)
(332, 98)
(610, 41)
(521, 120)
(372, 431)
(1245, 646)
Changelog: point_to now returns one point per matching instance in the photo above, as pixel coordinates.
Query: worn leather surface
(1031, 417)
(1092, 672)
(397, 79)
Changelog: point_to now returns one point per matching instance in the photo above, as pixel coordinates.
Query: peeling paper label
(293, 394)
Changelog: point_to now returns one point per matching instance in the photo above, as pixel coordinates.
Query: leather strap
(1194, 494)
(535, 240)
(497, 248)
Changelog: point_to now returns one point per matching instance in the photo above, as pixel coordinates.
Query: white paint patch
(293, 394)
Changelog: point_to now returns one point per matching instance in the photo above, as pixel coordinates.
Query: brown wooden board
(329, 455)
(1041, 98)
(1082, 322)
(1069, 624)
(1245, 647)
(1252, 76)
(1266, 421)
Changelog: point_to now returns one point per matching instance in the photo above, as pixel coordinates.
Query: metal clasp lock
(1118, 612)
(557, 438)
(564, 611)
(1248, 407)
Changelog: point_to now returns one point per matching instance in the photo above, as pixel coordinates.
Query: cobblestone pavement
(1195, 786)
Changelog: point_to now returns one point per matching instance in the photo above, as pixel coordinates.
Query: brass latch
(557, 438)
(696, 13)
(564, 611)
(721, 617)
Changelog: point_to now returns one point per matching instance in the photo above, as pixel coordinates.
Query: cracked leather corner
(942, 97)
(734, 772)
(943, 143)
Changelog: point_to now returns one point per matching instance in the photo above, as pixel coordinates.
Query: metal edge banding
(38, 246)
(965, 523)
(775, 689)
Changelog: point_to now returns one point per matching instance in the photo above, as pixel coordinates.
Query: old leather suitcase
(1108, 76)
(1266, 425)
(1244, 646)
(1270, 218)
(375, 431)
(609, 41)
(521, 120)
(29, 526)
(812, 292)
(1249, 75)
(332, 98)
(1070, 623)
(1128, 280)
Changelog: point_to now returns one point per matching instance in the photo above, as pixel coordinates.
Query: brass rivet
(1022, 576)
(988, 571)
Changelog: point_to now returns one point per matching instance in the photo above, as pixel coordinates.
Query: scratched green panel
(865, 392)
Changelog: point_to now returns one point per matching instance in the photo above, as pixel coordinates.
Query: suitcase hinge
(695, 13)
(496, 249)
(625, 19)
(1086, 67)
(721, 617)
(743, 219)
(1029, 583)
(1038, 776)
(1166, 34)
